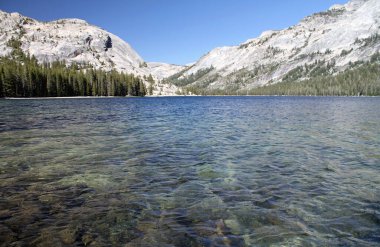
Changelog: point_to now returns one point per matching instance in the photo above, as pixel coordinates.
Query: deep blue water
(190, 171)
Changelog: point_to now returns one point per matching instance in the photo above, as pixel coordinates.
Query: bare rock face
(164, 70)
(342, 35)
(338, 37)
(108, 43)
(71, 40)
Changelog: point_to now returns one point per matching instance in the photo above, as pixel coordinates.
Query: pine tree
(27, 78)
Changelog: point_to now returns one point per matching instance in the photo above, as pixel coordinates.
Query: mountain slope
(72, 40)
(333, 39)
(76, 41)
(164, 70)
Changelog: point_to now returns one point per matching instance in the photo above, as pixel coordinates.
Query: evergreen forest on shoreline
(359, 79)
(22, 76)
(30, 79)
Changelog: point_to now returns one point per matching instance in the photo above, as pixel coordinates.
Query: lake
(190, 171)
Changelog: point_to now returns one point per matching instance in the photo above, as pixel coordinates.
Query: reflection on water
(190, 171)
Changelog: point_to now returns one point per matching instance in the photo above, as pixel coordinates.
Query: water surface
(190, 171)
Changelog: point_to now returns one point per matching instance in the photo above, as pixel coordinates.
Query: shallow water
(190, 171)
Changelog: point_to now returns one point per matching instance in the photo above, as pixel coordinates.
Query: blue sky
(175, 31)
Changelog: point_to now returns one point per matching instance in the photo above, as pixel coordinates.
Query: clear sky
(175, 31)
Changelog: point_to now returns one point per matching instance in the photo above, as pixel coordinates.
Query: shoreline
(168, 96)
(70, 97)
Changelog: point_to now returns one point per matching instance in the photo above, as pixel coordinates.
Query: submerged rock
(47, 238)
(233, 225)
(69, 235)
(87, 239)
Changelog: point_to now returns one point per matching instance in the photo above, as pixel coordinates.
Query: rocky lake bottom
(190, 171)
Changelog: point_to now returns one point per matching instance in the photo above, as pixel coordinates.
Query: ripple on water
(223, 171)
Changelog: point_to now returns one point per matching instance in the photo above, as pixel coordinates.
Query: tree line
(30, 79)
(22, 76)
(360, 78)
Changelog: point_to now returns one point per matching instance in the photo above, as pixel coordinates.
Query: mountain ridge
(76, 41)
(337, 36)
(73, 40)
(328, 42)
